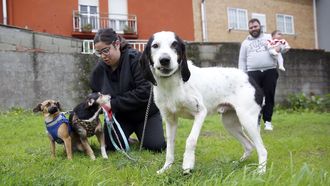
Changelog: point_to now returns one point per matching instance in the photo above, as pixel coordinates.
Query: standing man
(254, 58)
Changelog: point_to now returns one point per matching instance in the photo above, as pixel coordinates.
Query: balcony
(85, 25)
(88, 45)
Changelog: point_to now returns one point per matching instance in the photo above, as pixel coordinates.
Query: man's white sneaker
(268, 125)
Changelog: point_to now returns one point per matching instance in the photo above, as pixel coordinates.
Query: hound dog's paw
(165, 167)
(187, 171)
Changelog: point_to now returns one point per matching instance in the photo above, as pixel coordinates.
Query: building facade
(323, 27)
(226, 21)
(135, 19)
(193, 20)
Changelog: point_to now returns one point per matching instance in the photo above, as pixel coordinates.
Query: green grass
(298, 149)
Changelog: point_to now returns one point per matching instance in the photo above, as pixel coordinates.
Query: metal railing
(138, 44)
(88, 45)
(121, 23)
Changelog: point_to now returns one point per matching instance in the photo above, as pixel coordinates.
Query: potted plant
(128, 30)
(87, 28)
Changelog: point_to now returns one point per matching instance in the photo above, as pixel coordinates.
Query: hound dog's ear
(146, 62)
(182, 59)
(37, 108)
(58, 106)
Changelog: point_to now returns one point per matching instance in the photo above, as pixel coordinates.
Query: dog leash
(109, 123)
(110, 120)
(146, 118)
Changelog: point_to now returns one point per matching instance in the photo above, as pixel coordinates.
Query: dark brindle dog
(86, 123)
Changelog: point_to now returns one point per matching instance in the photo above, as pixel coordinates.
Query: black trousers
(267, 81)
(154, 139)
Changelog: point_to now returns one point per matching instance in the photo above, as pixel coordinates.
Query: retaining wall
(37, 66)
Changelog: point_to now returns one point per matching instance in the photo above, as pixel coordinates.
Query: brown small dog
(57, 125)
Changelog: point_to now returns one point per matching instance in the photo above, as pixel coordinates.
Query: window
(262, 19)
(89, 14)
(118, 15)
(285, 23)
(237, 19)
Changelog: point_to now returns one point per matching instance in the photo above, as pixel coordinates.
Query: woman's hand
(105, 103)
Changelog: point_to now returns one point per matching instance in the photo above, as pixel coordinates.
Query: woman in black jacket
(118, 74)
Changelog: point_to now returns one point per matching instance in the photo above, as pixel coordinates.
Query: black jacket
(128, 89)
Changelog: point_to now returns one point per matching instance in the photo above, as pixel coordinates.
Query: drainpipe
(4, 11)
(315, 25)
(204, 26)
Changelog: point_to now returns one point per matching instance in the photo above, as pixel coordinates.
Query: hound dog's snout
(52, 110)
(165, 60)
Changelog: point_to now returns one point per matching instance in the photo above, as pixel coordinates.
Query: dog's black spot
(180, 48)
(146, 62)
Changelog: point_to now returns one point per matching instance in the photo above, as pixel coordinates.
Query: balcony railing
(88, 45)
(121, 23)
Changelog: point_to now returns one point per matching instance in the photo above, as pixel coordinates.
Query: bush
(303, 102)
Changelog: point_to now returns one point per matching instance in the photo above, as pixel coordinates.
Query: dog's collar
(59, 119)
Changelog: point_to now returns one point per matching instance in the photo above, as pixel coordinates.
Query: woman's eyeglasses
(104, 51)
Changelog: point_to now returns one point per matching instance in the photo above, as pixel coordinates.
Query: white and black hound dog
(184, 90)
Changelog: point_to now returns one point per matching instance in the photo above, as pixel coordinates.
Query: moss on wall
(84, 65)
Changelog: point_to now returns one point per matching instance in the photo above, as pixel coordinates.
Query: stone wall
(307, 71)
(37, 66)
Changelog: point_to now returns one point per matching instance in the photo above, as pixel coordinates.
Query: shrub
(303, 102)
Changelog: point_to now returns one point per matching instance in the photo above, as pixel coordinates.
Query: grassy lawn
(298, 149)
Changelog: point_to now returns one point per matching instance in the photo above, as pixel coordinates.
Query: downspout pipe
(204, 25)
(315, 25)
(4, 11)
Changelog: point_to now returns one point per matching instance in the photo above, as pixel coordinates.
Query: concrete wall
(36, 66)
(307, 71)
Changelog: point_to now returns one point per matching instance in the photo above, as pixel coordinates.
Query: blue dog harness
(52, 127)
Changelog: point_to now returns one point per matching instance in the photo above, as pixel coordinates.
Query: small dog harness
(52, 127)
(88, 126)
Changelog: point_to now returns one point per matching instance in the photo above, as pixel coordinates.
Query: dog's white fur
(184, 90)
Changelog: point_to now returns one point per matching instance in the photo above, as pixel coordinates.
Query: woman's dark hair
(109, 36)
